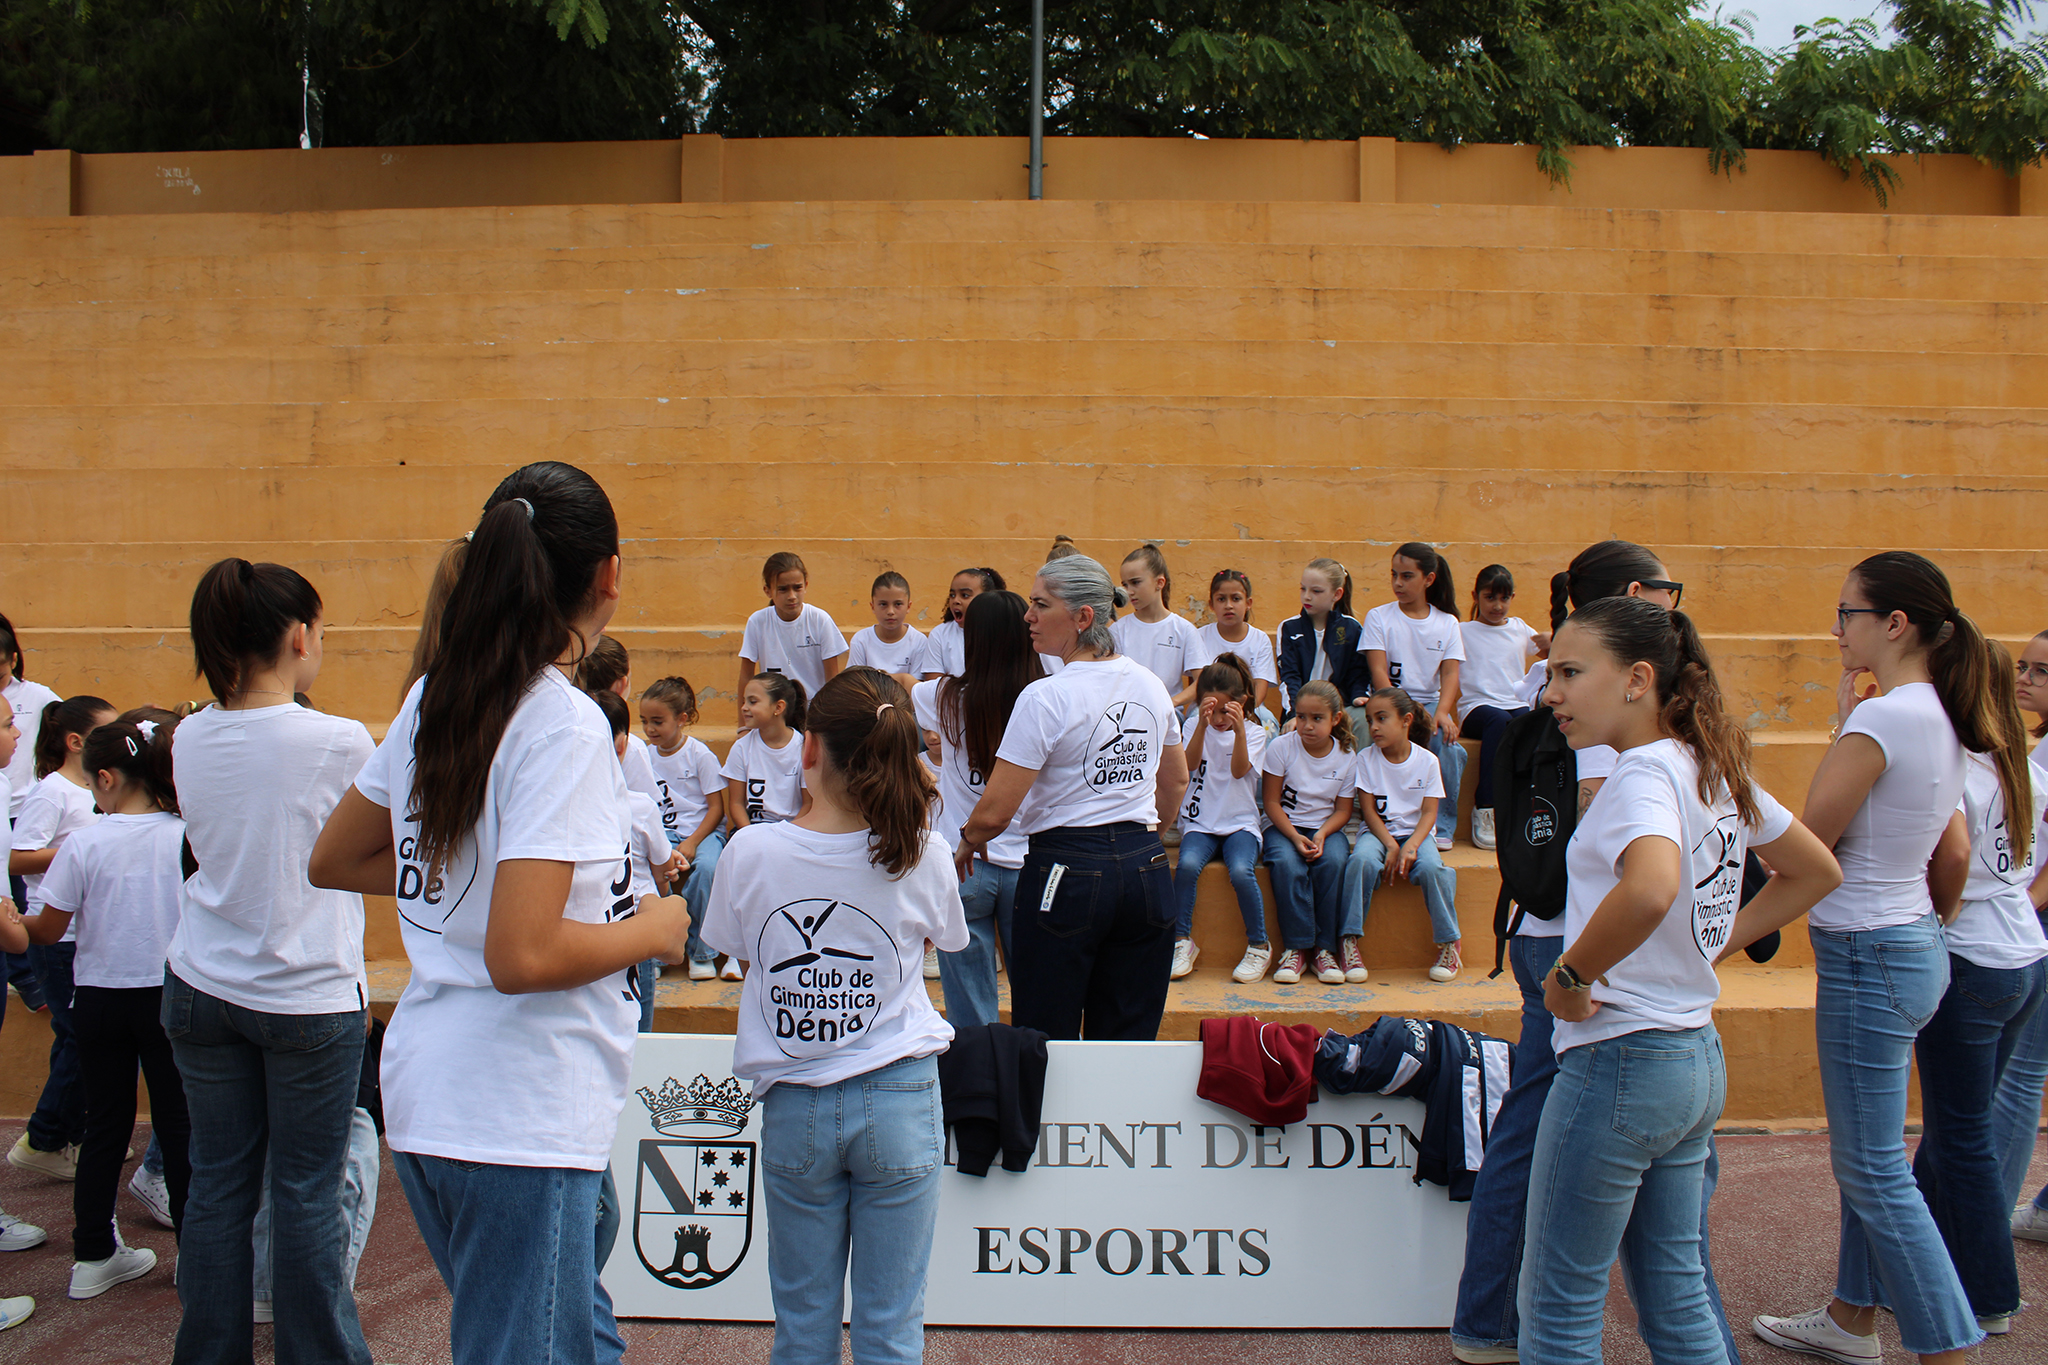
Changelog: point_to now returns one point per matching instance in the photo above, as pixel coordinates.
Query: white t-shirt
(1168, 647)
(26, 700)
(773, 778)
(796, 649)
(1529, 691)
(1669, 982)
(55, 809)
(1885, 846)
(1095, 734)
(1309, 786)
(1051, 663)
(869, 650)
(1997, 926)
(1399, 789)
(945, 650)
(257, 787)
(1416, 650)
(1496, 664)
(650, 843)
(960, 786)
(1256, 649)
(470, 1073)
(1218, 803)
(118, 880)
(639, 766)
(686, 780)
(836, 987)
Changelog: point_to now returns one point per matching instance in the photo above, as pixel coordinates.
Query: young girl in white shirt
(655, 864)
(25, 700)
(1400, 787)
(1309, 775)
(1414, 643)
(891, 644)
(945, 648)
(692, 802)
(117, 883)
(764, 777)
(1151, 636)
(1496, 667)
(496, 810)
(1655, 882)
(609, 668)
(2026, 1070)
(836, 1029)
(1220, 817)
(1230, 602)
(789, 636)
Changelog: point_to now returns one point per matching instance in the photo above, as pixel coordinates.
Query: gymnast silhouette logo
(1716, 864)
(693, 1197)
(824, 967)
(1123, 749)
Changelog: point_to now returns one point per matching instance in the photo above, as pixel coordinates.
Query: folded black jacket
(992, 1082)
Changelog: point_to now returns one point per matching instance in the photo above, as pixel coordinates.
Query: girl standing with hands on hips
(1886, 798)
(1090, 761)
(496, 810)
(836, 1029)
(1655, 879)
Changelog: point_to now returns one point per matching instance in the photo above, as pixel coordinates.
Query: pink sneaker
(1327, 970)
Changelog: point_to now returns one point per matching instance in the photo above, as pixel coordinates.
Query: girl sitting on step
(1400, 787)
(1308, 776)
(1220, 817)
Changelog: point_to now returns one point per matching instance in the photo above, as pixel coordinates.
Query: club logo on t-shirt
(757, 798)
(1194, 807)
(825, 966)
(1997, 856)
(1394, 672)
(1123, 751)
(1717, 895)
(423, 898)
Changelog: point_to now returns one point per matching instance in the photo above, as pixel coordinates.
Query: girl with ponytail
(1414, 643)
(836, 1029)
(26, 700)
(1886, 798)
(2018, 1118)
(1654, 885)
(496, 811)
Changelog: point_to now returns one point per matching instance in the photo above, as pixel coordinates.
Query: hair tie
(885, 706)
(1954, 617)
(528, 506)
(148, 730)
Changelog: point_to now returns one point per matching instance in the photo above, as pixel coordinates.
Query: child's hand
(1206, 711)
(1407, 860)
(1542, 645)
(688, 848)
(1391, 869)
(1848, 695)
(1314, 849)
(1233, 711)
(1447, 726)
(671, 919)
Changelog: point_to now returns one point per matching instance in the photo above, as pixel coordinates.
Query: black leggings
(119, 1030)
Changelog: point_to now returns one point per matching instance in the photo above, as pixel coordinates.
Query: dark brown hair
(780, 687)
(1062, 546)
(1222, 576)
(1603, 570)
(1325, 691)
(780, 563)
(60, 721)
(674, 693)
(142, 756)
(1228, 676)
(1958, 660)
(889, 578)
(240, 614)
(604, 666)
(1441, 592)
(1495, 579)
(1408, 709)
(10, 647)
(530, 569)
(614, 708)
(1155, 564)
(428, 641)
(863, 720)
(1689, 696)
(999, 663)
(2005, 702)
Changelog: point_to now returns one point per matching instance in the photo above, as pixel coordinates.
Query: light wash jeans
(852, 1170)
(1439, 884)
(1240, 854)
(358, 1205)
(1618, 1170)
(696, 893)
(2016, 1111)
(968, 977)
(1308, 898)
(1451, 756)
(517, 1248)
(1877, 990)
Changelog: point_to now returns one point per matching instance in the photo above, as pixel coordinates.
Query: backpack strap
(1505, 927)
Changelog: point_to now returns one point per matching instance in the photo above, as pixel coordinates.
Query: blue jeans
(1877, 989)
(2016, 1113)
(285, 1084)
(1618, 1170)
(697, 891)
(358, 1204)
(1240, 854)
(1451, 756)
(1961, 1053)
(1439, 884)
(968, 977)
(517, 1248)
(852, 1171)
(59, 1119)
(1094, 956)
(1488, 725)
(1308, 897)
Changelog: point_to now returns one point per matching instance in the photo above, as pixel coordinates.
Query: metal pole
(1038, 99)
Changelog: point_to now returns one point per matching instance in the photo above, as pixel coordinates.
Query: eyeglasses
(2033, 673)
(1677, 590)
(1842, 614)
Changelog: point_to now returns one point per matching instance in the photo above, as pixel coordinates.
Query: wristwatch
(1568, 978)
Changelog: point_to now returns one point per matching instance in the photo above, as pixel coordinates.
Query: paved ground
(1774, 1247)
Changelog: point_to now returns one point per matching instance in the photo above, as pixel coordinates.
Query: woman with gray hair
(1089, 760)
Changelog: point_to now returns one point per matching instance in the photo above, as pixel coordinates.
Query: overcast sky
(1775, 18)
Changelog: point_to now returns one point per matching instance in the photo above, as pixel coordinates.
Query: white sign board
(1144, 1206)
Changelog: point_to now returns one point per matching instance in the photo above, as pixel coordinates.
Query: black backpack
(1536, 808)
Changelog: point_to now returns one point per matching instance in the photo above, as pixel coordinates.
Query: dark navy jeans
(59, 1119)
(1095, 946)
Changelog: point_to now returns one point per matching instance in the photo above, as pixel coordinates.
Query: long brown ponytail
(864, 720)
(2005, 701)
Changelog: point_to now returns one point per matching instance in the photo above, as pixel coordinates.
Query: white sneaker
(1184, 954)
(58, 1165)
(153, 1194)
(1482, 827)
(1484, 1355)
(14, 1312)
(731, 970)
(1816, 1334)
(1997, 1324)
(1292, 960)
(702, 971)
(1447, 963)
(90, 1279)
(1443, 843)
(2030, 1222)
(931, 964)
(16, 1235)
(1252, 966)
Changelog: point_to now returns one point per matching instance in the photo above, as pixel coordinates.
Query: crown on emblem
(699, 1107)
